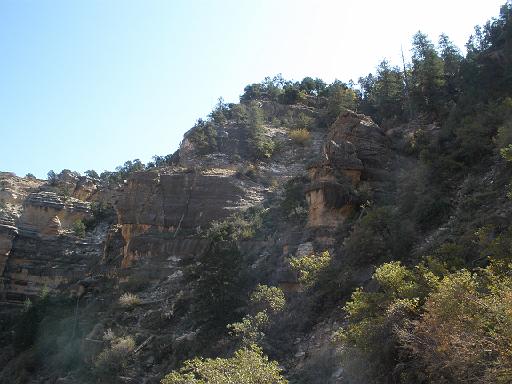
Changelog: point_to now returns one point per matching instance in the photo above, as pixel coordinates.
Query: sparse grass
(129, 300)
(300, 136)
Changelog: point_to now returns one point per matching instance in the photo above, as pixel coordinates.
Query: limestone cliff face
(161, 212)
(158, 211)
(37, 246)
(35, 262)
(47, 213)
(355, 148)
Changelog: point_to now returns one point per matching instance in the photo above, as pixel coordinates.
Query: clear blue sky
(90, 84)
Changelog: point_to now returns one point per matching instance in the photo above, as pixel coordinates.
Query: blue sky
(91, 84)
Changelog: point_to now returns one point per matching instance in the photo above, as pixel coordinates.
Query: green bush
(309, 267)
(220, 280)
(267, 298)
(79, 228)
(264, 303)
(240, 226)
(465, 333)
(379, 236)
(260, 146)
(251, 329)
(101, 212)
(294, 202)
(303, 121)
(369, 343)
(247, 366)
(204, 137)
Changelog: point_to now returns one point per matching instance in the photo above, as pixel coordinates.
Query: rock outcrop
(162, 214)
(37, 246)
(158, 212)
(356, 148)
(48, 213)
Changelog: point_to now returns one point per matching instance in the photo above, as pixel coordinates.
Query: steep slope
(162, 216)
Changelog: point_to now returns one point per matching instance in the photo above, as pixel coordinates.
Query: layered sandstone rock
(44, 212)
(14, 189)
(159, 212)
(370, 142)
(355, 148)
(36, 262)
(35, 252)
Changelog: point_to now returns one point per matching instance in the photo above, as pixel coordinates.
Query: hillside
(311, 233)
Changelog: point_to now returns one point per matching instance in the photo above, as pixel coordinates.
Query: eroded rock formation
(37, 245)
(355, 148)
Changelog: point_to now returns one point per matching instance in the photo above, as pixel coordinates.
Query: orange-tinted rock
(40, 209)
(355, 147)
(159, 212)
(53, 228)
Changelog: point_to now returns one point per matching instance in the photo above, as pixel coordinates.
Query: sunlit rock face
(370, 142)
(159, 214)
(37, 246)
(355, 149)
(47, 213)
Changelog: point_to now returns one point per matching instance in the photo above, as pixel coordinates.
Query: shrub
(291, 96)
(101, 212)
(303, 121)
(204, 136)
(300, 136)
(65, 193)
(92, 174)
(79, 228)
(52, 178)
(310, 267)
(369, 343)
(27, 325)
(250, 171)
(247, 366)
(129, 300)
(260, 146)
(379, 236)
(265, 297)
(251, 329)
(264, 303)
(238, 226)
(506, 152)
(465, 334)
(114, 358)
(294, 202)
(221, 285)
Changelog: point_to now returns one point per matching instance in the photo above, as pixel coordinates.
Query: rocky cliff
(159, 221)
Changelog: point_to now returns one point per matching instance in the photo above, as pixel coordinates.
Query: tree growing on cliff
(79, 228)
(52, 177)
(220, 287)
(340, 96)
(260, 146)
(428, 77)
(92, 174)
(383, 94)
